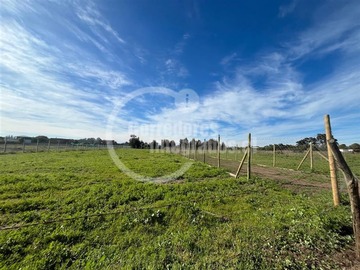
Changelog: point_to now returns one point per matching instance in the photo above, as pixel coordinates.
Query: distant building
(23, 139)
(347, 150)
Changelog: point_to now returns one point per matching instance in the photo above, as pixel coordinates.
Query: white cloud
(88, 13)
(54, 89)
(225, 61)
(334, 27)
(174, 67)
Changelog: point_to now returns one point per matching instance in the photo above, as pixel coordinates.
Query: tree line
(212, 144)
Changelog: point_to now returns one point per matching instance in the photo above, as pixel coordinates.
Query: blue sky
(272, 68)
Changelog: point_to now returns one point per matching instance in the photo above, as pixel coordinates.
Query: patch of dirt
(347, 259)
(294, 180)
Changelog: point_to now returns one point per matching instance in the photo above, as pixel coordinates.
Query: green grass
(205, 220)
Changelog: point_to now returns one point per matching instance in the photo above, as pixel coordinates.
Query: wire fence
(50, 146)
(306, 164)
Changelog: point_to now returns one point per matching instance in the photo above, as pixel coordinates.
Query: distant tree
(223, 146)
(306, 141)
(321, 139)
(165, 143)
(212, 144)
(184, 143)
(154, 145)
(355, 147)
(134, 142)
(42, 139)
(193, 144)
(342, 146)
(172, 144)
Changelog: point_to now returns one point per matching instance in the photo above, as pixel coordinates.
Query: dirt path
(288, 178)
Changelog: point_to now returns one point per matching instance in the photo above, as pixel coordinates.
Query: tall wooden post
(204, 145)
(218, 152)
(5, 143)
(274, 155)
(311, 157)
(58, 145)
(195, 150)
(23, 145)
(334, 183)
(37, 145)
(236, 151)
(49, 145)
(249, 158)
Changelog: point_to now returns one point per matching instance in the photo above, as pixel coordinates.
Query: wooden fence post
(49, 145)
(23, 146)
(249, 158)
(311, 157)
(5, 143)
(195, 150)
(236, 151)
(274, 155)
(352, 184)
(37, 145)
(218, 152)
(333, 177)
(204, 146)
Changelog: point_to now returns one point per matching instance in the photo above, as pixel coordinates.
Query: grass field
(83, 212)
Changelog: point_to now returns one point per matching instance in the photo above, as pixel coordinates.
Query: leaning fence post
(241, 164)
(352, 184)
(249, 158)
(302, 161)
(334, 183)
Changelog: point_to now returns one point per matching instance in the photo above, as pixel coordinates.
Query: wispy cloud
(337, 29)
(225, 61)
(88, 12)
(174, 67)
(285, 10)
(179, 47)
(47, 88)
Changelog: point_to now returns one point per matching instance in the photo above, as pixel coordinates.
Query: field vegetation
(76, 209)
